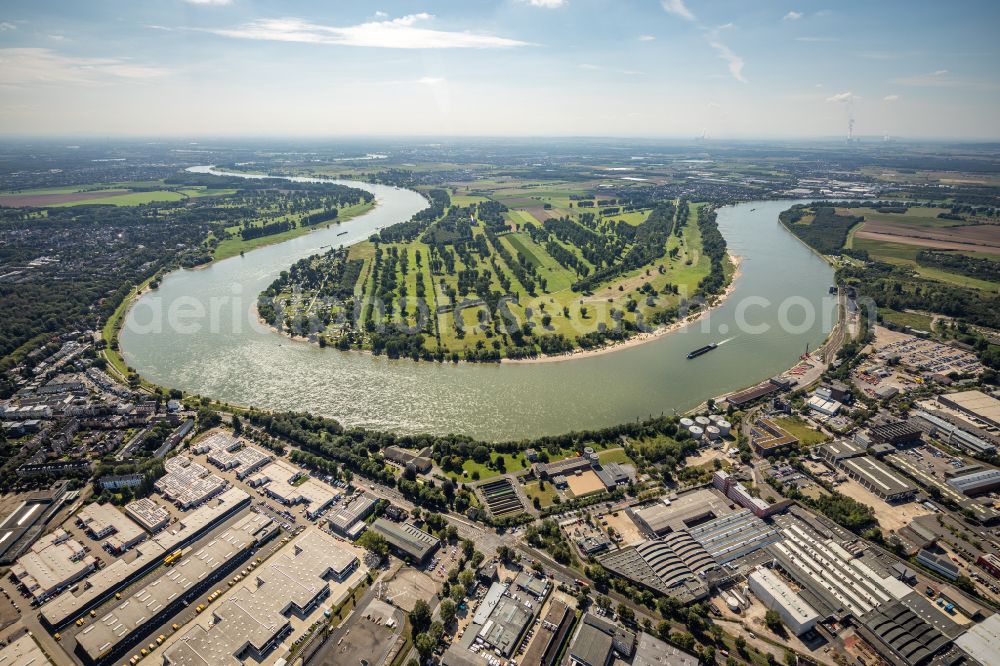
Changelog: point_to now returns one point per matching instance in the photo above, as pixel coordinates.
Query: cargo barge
(702, 350)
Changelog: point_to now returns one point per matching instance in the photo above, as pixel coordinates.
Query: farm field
(906, 255)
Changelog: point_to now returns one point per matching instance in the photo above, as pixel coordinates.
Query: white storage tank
(702, 421)
(724, 427)
(713, 432)
(686, 423)
(733, 605)
(696, 432)
(715, 418)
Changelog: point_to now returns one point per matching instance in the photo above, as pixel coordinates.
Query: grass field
(906, 255)
(512, 463)
(130, 199)
(545, 497)
(916, 321)
(797, 427)
(616, 455)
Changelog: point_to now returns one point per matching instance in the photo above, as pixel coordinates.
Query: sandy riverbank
(642, 338)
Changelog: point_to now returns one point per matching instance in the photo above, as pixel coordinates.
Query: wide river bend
(215, 347)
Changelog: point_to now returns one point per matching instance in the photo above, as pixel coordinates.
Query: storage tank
(715, 418)
(702, 421)
(686, 423)
(712, 432)
(733, 605)
(696, 432)
(724, 427)
(588, 451)
(740, 599)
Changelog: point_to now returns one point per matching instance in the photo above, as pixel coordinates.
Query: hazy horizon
(671, 70)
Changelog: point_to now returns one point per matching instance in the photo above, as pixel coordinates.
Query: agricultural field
(479, 279)
(123, 194)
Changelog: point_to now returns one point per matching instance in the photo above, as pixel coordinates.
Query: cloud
(733, 61)
(891, 98)
(30, 66)
(400, 33)
(216, 3)
(816, 40)
(7, 25)
(381, 14)
(430, 80)
(793, 16)
(602, 68)
(645, 38)
(726, 26)
(714, 105)
(547, 4)
(841, 97)
(678, 8)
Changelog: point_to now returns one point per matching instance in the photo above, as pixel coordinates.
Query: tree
(626, 614)
(467, 578)
(457, 592)
(773, 621)
(741, 644)
(448, 611)
(374, 542)
(420, 616)
(425, 644)
(468, 547)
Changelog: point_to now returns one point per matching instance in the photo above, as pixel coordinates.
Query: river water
(214, 347)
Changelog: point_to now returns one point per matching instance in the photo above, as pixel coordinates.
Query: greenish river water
(198, 332)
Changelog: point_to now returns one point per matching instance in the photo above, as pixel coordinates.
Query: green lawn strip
(913, 320)
(797, 427)
(545, 497)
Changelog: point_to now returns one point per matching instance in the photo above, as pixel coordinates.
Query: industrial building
(733, 536)
(938, 563)
(188, 484)
(104, 522)
(561, 467)
(878, 478)
(407, 540)
(52, 564)
(26, 523)
(962, 435)
(842, 449)
(280, 481)
(901, 635)
(148, 514)
(737, 492)
(243, 461)
(990, 563)
(769, 439)
(982, 641)
(119, 573)
(254, 618)
(976, 482)
(832, 580)
(550, 635)
(975, 404)
(985, 515)
(651, 651)
(23, 651)
(746, 396)
(675, 565)
(687, 510)
(344, 520)
(191, 575)
(900, 434)
(506, 625)
(774, 593)
(597, 641)
(823, 406)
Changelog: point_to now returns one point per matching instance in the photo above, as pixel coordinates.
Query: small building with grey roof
(343, 519)
(407, 540)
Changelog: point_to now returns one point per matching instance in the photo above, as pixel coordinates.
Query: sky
(612, 68)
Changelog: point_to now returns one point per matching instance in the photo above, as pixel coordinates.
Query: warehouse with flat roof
(343, 519)
(774, 593)
(976, 404)
(982, 641)
(878, 478)
(506, 625)
(191, 575)
(148, 514)
(407, 540)
(254, 618)
(687, 510)
(104, 582)
(734, 536)
(53, 563)
(23, 651)
(976, 482)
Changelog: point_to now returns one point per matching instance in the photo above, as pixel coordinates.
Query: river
(229, 357)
